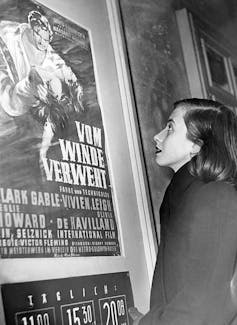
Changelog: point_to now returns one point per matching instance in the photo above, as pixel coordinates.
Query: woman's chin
(159, 161)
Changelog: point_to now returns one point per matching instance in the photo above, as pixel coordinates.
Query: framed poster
(95, 299)
(107, 102)
(55, 192)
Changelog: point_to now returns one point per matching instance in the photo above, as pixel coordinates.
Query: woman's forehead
(177, 114)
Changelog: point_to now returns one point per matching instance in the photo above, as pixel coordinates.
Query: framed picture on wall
(217, 68)
(210, 62)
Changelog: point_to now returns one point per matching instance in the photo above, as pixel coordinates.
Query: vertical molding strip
(190, 54)
(144, 205)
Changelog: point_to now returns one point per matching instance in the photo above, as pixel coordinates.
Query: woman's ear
(195, 149)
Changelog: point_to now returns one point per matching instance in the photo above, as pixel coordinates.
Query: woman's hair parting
(213, 127)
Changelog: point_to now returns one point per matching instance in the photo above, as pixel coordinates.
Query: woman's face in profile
(173, 148)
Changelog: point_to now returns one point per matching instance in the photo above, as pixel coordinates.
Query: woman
(192, 283)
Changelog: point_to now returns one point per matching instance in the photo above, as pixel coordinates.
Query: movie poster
(101, 299)
(55, 191)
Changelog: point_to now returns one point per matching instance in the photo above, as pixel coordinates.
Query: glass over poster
(55, 192)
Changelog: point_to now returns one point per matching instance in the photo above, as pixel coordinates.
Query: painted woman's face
(41, 38)
(173, 148)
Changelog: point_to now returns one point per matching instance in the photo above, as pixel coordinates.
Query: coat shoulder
(216, 196)
(218, 189)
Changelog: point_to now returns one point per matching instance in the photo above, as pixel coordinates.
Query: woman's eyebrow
(170, 120)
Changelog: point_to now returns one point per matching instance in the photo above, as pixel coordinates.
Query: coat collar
(181, 180)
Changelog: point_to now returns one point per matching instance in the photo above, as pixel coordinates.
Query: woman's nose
(159, 137)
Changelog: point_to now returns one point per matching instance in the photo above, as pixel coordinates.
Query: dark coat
(196, 258)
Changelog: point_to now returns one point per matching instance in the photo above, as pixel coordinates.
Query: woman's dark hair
(36, 19)
(213, 127)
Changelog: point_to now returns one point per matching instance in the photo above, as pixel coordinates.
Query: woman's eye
(169, 127)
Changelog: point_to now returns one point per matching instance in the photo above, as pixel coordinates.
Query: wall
(158, 74)
(157, 66)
